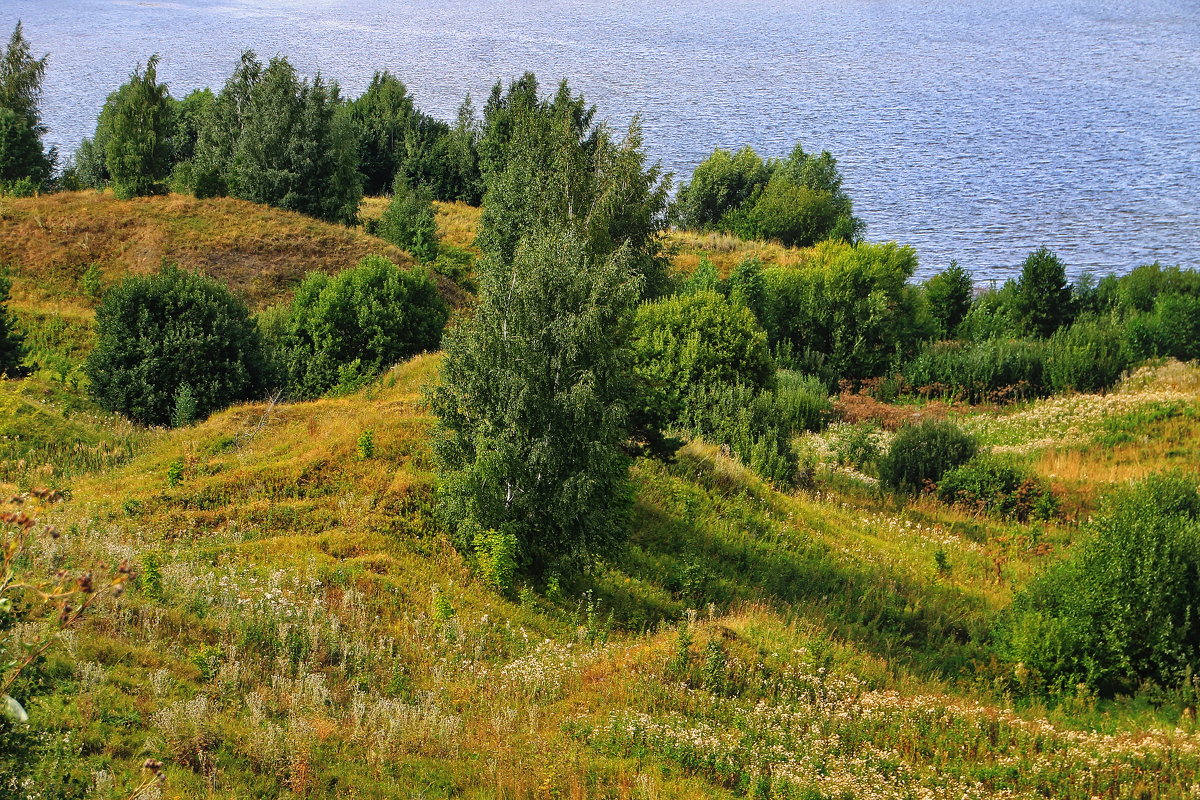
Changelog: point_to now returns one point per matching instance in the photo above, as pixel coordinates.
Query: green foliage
(991, 370)
(349, 327)
(1124, 608)
(950, 293)
(989, 483)
(183, 412)
(1142, 287)
(802, 401)
(748, 422)
(1088, 356)
(90, 282)
(690, 341)
(21, 128)
(157, 333)
(366, 445)
(534, 400)
(409, 222)
(858, 446)
(798, 200)
(149, 576)
(138, 149)
(498, 556)
(1171, 328)
(1042, 296)
(849, 309)
(12, 343)
(175, 473)
(920, 454)
(746, 287)
(274, 138)
(548, 165)
(993, 315)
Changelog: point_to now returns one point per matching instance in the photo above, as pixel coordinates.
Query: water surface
(969, 129)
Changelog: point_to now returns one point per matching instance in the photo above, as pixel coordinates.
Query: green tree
(138, 151)
(349, 327)
(556, 168)
(381, 116)
(848, 311)
(700, 340)
(274, 138)
(1042, 295)
(409, 221)
(533, 403)
(12, 346)
(21, 128)
(158, 333)
(950, 293)
(721, 183)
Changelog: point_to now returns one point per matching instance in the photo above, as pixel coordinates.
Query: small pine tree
(138, 151)
(21, 128)
(950, 293)
(1043, 296)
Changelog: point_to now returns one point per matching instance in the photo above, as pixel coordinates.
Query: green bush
(409, 222)
(858, 446)
(1124, 608)
(344, 329)
(849, 309)
(159, 333)
(1042, 295)
(949, 293)
(920, 454)
(990, 370)
(1088, 356)
(1170, 329)
(747, 421)
(802, 401)
(991, 484)
(696, 341)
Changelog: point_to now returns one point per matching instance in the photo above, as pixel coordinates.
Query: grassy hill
(301, 628)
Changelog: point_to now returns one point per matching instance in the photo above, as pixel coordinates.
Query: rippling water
(970, 129)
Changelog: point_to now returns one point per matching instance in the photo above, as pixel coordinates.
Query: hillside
(258, 251)
(300, 627)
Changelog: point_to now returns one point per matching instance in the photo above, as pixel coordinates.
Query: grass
(300, 627)
(309, 632)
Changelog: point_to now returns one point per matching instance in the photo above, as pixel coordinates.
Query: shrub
(159, 333)
(990, 370)
(348, 328)
(1088, 356)
(720, 183)
(802, 401)
(747, 421)
(1124, 608)
(949, 293)
(848, 309)
(992, 484)
(409, 222)
(920, 454)
(701, 340)
(858, 445)
(1171, 329)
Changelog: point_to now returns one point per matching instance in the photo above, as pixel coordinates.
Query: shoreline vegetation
(533, 474)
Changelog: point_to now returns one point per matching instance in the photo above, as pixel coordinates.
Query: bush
(345, 329)
(747, 421)
(159, 333)
(1042, 295)
(849, 309)
(409, 222)
(698, 341)
(994, 485)
(949, 293)
(920, 454)
(1088, 356)
(1171, 329)
(992, 370)
(1124, 608)
(802, 401)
